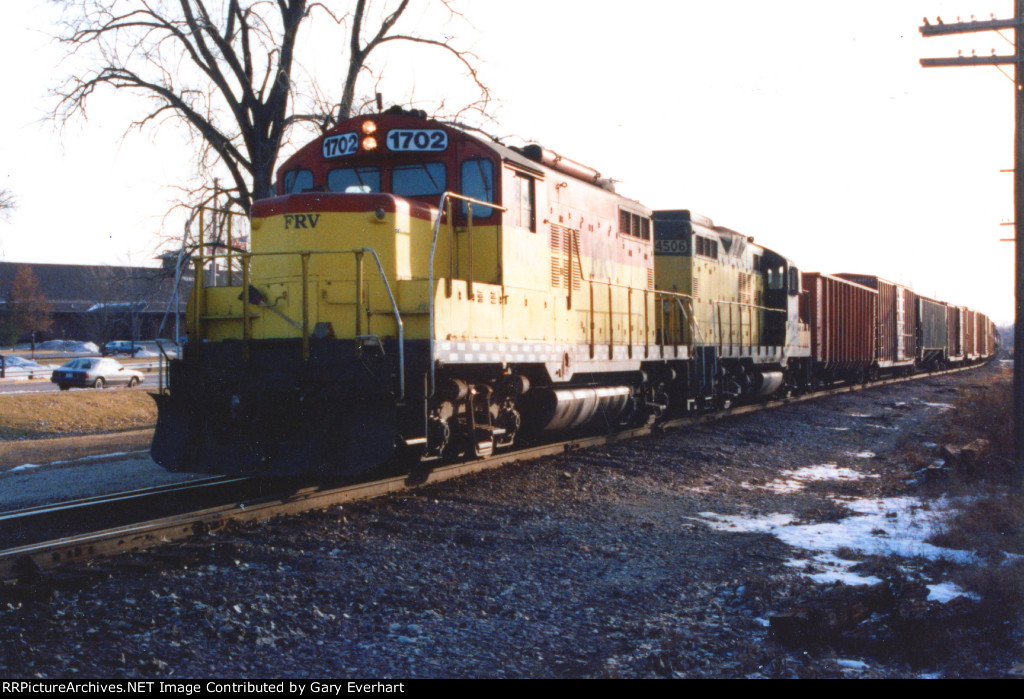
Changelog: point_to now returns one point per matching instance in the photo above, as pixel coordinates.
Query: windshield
(354, 179)
(421, 179)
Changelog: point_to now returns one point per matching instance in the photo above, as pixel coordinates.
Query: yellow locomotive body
(744, 324)
(414, 287)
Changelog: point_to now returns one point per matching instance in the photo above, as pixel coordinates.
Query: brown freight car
(896, 323)
(842, 316)
(971, 335)
(984, 334)
(932, 333)
(955, 319)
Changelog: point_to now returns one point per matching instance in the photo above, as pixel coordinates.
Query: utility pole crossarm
(969, 61)
(967, 27)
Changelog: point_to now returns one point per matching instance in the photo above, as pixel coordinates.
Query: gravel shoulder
(599, 563)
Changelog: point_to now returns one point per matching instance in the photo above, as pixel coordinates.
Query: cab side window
(794, 281)
(522, 201)
(296, 181)
(477, 182)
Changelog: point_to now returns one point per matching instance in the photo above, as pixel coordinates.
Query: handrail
(742, 305)
(160, 368)
(748, 305)
(304, 256)
(446, 198)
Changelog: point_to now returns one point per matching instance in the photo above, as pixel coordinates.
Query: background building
(98, 302)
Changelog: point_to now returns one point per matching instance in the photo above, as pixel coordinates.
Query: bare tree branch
(226, 70)
(7, 203)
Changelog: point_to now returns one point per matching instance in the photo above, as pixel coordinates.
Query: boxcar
(841, 314)
(954, 334)
(971, 335)
(932, 332)
(895, 323)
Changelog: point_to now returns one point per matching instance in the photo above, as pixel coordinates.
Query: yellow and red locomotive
(415, 290)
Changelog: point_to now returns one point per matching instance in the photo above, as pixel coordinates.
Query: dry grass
(35, 416)
(985, 411)
(992, 524)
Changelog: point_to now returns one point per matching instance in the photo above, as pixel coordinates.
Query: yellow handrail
(199, 297)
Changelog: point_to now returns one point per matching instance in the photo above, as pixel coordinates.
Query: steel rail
(31, 559)
(99, 500)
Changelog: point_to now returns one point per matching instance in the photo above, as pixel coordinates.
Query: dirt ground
(602, 563)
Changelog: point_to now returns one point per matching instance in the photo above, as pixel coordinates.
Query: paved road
(149, 383)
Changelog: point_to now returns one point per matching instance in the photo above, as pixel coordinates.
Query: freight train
(415, 292)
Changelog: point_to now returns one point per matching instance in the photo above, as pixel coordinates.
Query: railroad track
(32, 558)
(33, 524)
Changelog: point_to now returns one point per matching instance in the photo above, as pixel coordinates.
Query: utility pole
(1016, 60)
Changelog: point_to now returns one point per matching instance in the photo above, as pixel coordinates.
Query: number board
(671, 247)
(340, 145)
(417, 140)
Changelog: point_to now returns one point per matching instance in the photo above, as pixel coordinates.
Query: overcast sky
(807, 124)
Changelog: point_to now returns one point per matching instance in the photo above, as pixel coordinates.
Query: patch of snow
(69, 346)
(852, 664)
(861, 454)
(100, 456)
(884, 527)
(22, 363)
(941, 406)
(793, 481)
(768, 524)
(946, 592)
(81, 459)
(930, 445)
(831, 569)
(761, 621)
(840, 429)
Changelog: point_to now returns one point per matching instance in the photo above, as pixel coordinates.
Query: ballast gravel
(594, 564)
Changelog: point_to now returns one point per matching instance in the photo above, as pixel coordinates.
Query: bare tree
(31, 309)
(7, 203)
(227, 70)
(119, 298)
